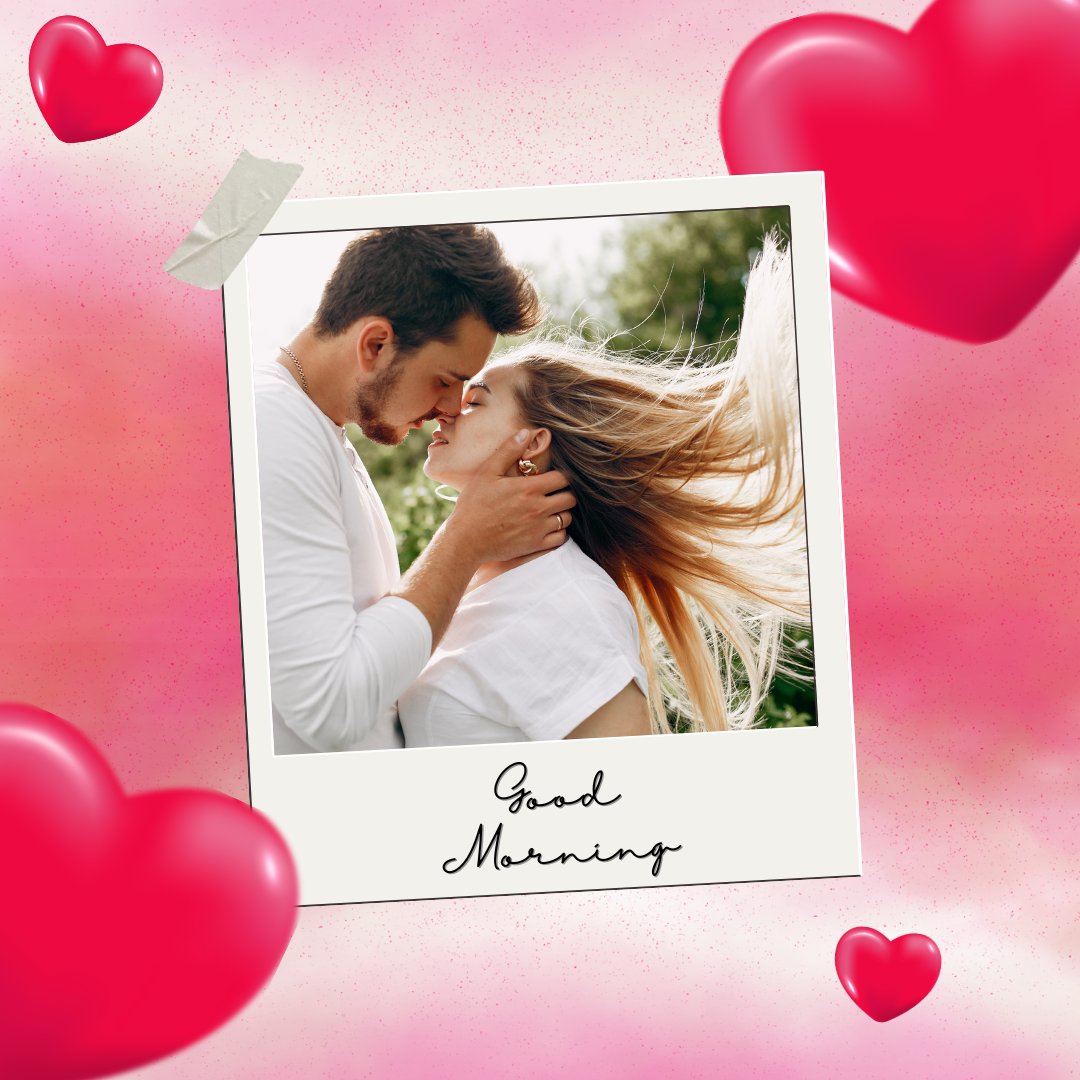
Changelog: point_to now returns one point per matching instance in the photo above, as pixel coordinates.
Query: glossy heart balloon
(86, 89)
(129, 926)
(950, 153)
(886, 978)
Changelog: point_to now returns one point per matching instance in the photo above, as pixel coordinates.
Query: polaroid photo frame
(527, 817)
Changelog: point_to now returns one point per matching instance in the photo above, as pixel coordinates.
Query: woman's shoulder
(581, 581)
(581, 567)
(561, 590)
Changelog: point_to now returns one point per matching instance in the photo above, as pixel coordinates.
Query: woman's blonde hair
(689, 485)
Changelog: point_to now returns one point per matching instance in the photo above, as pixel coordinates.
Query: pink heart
(886, 978)
(950, 152)
(86, 89)
(129, 926)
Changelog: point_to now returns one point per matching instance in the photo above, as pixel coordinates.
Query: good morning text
(510, 788)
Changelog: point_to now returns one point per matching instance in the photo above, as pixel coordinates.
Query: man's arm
(497, 518)
(333, 672)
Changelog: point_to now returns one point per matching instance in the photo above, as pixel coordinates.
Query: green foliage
(682, 276)
(792, 699)
(415, 511)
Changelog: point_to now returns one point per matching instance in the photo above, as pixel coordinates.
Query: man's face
(408, 390)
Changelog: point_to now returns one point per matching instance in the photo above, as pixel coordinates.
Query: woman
(687, 538)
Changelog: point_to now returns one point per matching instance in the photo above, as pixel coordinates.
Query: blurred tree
(414, 509)
(682, 276)
(792, 699)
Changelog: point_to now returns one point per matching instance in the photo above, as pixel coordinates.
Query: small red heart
(129, 927)
(886, 978)
(949, 152)
(86, 89)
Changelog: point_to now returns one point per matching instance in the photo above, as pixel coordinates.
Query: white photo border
(708, 808)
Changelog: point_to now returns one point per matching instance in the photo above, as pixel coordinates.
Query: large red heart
(86, 89)
(129, 927)
(886, 978)
(950, 152)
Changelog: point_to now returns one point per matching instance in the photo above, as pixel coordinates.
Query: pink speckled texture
(118, 594)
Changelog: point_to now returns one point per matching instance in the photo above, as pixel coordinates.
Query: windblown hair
(423, 279)
(688, 478)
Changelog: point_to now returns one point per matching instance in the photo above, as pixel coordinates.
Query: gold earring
(527, 467)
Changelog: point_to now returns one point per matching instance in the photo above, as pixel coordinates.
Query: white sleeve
(333, 671)
(572, 654)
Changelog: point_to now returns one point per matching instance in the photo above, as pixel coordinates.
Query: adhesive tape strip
(239, 211)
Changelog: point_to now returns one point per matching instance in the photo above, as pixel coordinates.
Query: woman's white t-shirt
(528, 655)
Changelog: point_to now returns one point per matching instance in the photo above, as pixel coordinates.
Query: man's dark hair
(423, 279)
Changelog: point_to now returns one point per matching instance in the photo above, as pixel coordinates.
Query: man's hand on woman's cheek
(505, 517)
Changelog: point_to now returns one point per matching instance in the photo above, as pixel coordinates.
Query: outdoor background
(659, 282)
(959, 464)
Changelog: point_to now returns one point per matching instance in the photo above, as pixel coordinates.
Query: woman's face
(489, 416)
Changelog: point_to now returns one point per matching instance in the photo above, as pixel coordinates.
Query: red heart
(86, 89)
(886, 978)
(950, 152)
(129, 927)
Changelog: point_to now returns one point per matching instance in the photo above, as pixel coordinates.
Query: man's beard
(370, 402)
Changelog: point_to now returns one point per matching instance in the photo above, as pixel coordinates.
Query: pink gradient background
(118, 594)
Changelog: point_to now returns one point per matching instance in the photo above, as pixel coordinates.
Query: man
(407, 317)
